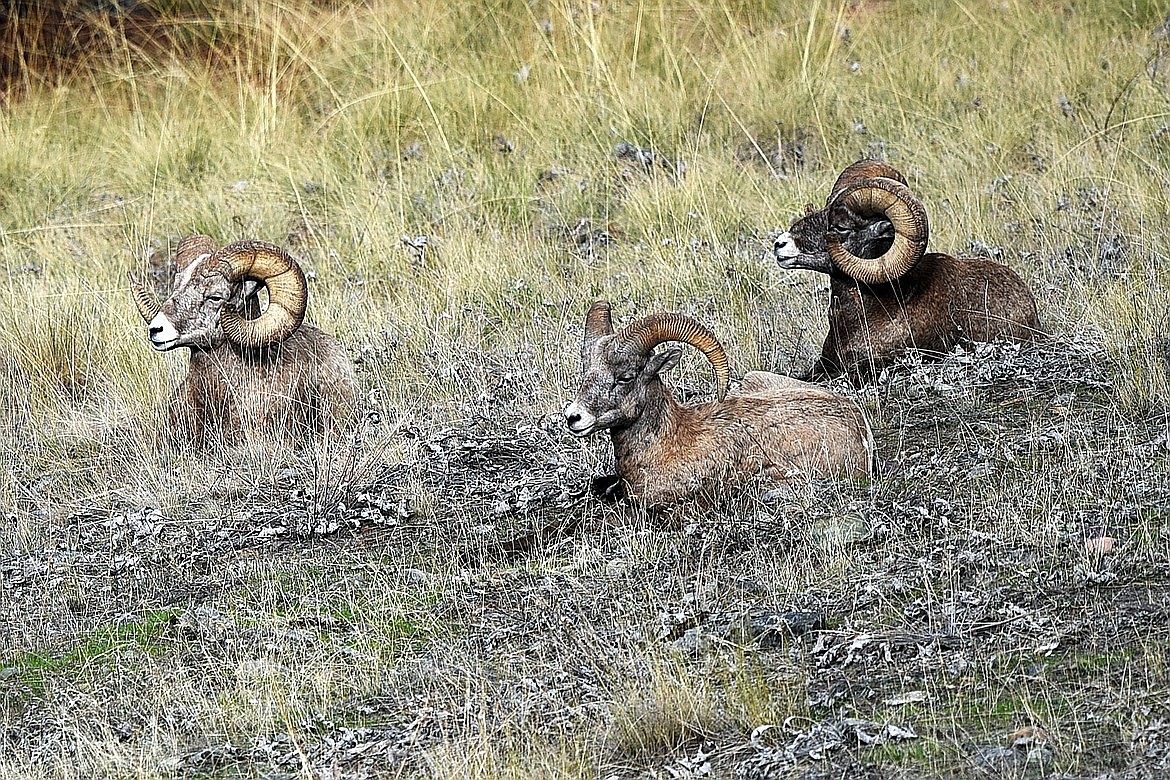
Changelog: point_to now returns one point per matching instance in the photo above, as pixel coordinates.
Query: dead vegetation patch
(832, 624)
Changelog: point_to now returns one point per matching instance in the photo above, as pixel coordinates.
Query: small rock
(994, 757)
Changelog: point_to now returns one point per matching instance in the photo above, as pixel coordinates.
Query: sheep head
(211, 286)
(620, 370)
(862, 233)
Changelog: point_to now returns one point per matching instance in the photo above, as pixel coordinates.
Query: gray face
(614, 385)
(190, 317)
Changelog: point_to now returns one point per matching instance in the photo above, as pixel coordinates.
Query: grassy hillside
(460, 183)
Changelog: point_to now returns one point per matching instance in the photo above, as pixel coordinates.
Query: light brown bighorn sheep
(254, 375)
(771, 428)
(887, 293)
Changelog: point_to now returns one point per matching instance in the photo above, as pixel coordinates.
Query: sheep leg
(609, 488)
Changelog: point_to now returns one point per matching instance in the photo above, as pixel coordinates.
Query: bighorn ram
(253, 375)
(886, 292)
(772, 428)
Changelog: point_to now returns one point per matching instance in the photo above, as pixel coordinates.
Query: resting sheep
(772, 428)
(887, 293)
(253, 375)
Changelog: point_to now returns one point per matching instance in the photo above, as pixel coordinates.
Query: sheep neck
(634, 446)
(202, 355)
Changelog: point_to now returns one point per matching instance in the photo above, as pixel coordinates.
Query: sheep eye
(626, 378)
(217, 298)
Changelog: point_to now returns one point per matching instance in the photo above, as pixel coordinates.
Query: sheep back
(939, 303)
(772, 429)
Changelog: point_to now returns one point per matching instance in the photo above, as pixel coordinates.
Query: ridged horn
(192, 248)
(148, 307)
(647, 333)
(862, 170)
(287, 292)
(894, 201)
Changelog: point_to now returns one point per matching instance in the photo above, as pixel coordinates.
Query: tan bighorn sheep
(253, 375)
(771, 428)
(886, 292)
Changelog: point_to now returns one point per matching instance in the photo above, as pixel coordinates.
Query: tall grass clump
(670, 702)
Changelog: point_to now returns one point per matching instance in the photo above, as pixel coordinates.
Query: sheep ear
(809, 209)
(664, 360)
(247, 300)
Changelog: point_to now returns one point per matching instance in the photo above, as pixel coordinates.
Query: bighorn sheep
(253, 376)
(772, 428)
(886, 292)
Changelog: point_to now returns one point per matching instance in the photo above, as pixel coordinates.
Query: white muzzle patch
(785, 247)
(163, 335)
(579, 420)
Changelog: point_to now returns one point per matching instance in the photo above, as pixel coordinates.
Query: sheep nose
(785, 247)
(579, 419)
(154, 331)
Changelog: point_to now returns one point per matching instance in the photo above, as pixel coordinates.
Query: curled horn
(191, 249)
(148, 307)
(648, 332)
(894, 201)
(287, 292)
(861, 171)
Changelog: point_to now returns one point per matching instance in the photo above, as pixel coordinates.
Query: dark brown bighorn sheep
(771, 428)
(254, 375)
(887, 293)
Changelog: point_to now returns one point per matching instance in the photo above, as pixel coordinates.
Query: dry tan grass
(348, 609)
